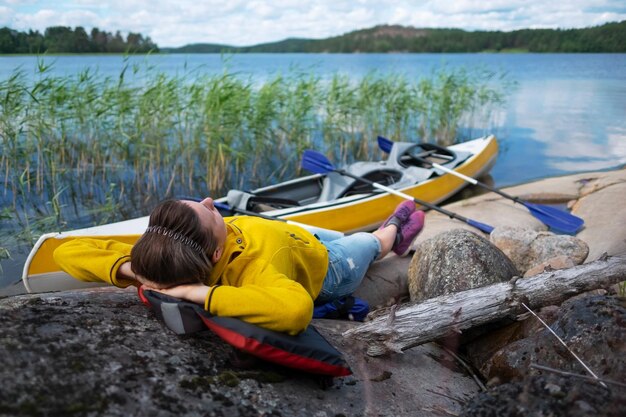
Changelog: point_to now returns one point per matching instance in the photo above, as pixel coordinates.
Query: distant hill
(610, 37)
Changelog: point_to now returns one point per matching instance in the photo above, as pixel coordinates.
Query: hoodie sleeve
(94, 260)
(265, 298)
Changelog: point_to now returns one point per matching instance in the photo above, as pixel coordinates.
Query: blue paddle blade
(480, 226)
(316, 162)
(385, 144)
(556, 219)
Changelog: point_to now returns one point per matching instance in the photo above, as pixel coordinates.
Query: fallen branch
(579, 376)
(417, 323)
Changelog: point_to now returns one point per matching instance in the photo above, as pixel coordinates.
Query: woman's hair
(175, 249)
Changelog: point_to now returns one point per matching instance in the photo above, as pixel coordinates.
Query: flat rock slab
(605, 215)
(101, 352)
(597, 197)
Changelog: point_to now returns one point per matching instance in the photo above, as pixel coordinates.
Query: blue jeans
(349, 258)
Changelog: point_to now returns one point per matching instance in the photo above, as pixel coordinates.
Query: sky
(240, 23)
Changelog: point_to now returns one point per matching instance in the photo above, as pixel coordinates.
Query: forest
(610, 37)
(62, 39)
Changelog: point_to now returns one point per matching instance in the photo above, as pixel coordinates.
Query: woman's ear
(216, 255)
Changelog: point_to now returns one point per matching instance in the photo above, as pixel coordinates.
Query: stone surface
(455, 261)
(548, 395)
(558, 262)
(593, 326)
(386, 282)
(547, 245)
(485, 342)
(102, 353)
(515, 243)
(528, 248)
(604, 212)
(597, 197)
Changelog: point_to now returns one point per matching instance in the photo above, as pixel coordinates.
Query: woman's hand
(125, 272)
(196, 293)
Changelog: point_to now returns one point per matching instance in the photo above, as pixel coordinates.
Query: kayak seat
(337, 186)
(405, 155)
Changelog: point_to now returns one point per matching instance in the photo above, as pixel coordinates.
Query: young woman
(265, 272)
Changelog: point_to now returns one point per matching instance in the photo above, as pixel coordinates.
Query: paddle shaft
(556, 219)
(255, 214)
(484, 227)
(468, 179)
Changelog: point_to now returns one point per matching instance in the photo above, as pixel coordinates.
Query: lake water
(566, 115)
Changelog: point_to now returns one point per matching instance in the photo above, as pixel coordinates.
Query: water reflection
(556, 127)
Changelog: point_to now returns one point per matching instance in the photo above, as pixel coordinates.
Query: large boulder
(528, 248)
(592, 326)
(455, 261)
(548, 395)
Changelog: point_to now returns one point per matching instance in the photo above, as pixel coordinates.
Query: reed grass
(84, 149)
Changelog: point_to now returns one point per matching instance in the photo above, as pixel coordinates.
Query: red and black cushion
(308, 351)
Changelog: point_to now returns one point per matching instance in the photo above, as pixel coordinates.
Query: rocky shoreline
(100, 352)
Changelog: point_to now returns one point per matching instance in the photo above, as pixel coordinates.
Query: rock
(548, 395)
(480, 349)
(558, 262)
(597, 197)
(605, 216)
(494, 212)
(386, 282)
(594, 327)
(101, 352)
(455, 261)
(515, 243)
(528, 248)
(548, 246)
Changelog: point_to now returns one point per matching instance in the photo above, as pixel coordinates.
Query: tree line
(62, 39)
(610, 37)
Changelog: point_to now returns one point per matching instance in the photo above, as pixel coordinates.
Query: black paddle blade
(385, 144)
(316, 162)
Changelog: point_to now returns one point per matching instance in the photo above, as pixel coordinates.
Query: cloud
(47, 17)
(6, 15)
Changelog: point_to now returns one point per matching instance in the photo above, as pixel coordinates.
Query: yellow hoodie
(269, 273)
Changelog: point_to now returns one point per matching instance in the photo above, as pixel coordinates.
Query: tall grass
(83, 149)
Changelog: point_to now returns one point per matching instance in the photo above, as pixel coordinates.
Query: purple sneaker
(408, 232)
(401, 213)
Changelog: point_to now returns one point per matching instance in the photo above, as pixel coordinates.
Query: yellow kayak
(329, 201)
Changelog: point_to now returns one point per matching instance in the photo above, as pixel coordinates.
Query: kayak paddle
(318, 163)
(556, 219)
(226, 207)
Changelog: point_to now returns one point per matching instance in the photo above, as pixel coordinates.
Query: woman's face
(210, 218)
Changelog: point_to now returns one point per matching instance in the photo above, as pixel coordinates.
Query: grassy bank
(84, 150)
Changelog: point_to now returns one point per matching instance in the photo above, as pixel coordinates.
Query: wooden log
(413, 324)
